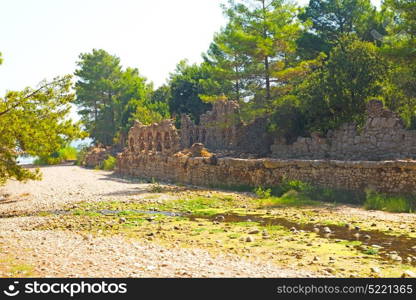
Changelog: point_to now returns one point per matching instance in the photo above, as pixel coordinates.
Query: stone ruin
(382, 137)
(210, 153)
(222, 129)
(160, 138)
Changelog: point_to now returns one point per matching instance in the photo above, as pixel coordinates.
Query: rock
(309, 244)
(348, 226)
(413, 248)
(408, 274)
(316, 229)
(373, 225)
(293, 229)
(122, 220)
(254, 231)
(265, 233)
(375, 270)
(249, 239)
(396, 258)
(330, 270)
(327, 230)
(316, 258)
(357, 228)
(409, 260)
(367, 237)
(220, 218)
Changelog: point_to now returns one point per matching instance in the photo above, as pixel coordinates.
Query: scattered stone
(122, 220)
(408, 274)
(220, 218)
(254, 231)
(316, 229)
(249, 239)
(409, 260)
(293, 229)
(327, 230)
(373, 225)
(375, 270)
(367, 237)
(357, 228)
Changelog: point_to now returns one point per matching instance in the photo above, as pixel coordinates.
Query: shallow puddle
(385, 245)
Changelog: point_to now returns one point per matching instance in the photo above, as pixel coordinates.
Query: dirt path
(67, 254)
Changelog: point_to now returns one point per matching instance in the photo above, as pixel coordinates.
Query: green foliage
(399, 204)
(262, 193)
(109, 164)
(64, 154)
(337, 92)
(186, 88)
(110, 99)
(34, 122)
(332, 19)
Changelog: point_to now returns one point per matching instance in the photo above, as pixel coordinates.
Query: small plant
(390, 203)
(156, 187)
(110, 163)
(263, 193)
(60, 156)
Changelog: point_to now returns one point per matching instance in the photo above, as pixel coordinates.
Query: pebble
(408, 274)
(375, 270)
(254, 231)
(249, 239)
(367, 237)
(327, 230)
(220, 218)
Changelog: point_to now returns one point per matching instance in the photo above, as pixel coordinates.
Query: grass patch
(109, 164)
(60, 156)
(398, 204)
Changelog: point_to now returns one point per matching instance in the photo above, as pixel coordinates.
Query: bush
(400, 203)
(60, 156)
(82, 153)
(110, 163)
(262, 193)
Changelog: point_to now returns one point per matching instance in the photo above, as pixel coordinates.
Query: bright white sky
(41, 39)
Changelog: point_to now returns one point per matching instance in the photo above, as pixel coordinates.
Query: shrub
(399, 203)
(82, 153)
(60, 156)
(109, 164)
(262, 193)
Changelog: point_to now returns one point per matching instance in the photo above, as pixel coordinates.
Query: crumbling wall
(156, 138)
(382, 137)
(385, 176)
(222, 129)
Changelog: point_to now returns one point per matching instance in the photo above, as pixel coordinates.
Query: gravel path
(66, 254)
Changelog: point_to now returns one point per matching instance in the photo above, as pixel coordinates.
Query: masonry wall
(386, 176)
(382, 137)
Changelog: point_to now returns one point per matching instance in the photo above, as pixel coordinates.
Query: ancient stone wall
(386, 176)
(156, 138)
(222, 129)
(382, 137)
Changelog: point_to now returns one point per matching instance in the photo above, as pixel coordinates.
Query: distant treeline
(309, 69)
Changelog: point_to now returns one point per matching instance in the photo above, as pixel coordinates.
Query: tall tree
(109, 97)
(332, 19)
(264, 35)
(35, 122)
(98, 75)
(186, 89)
(337, 92)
